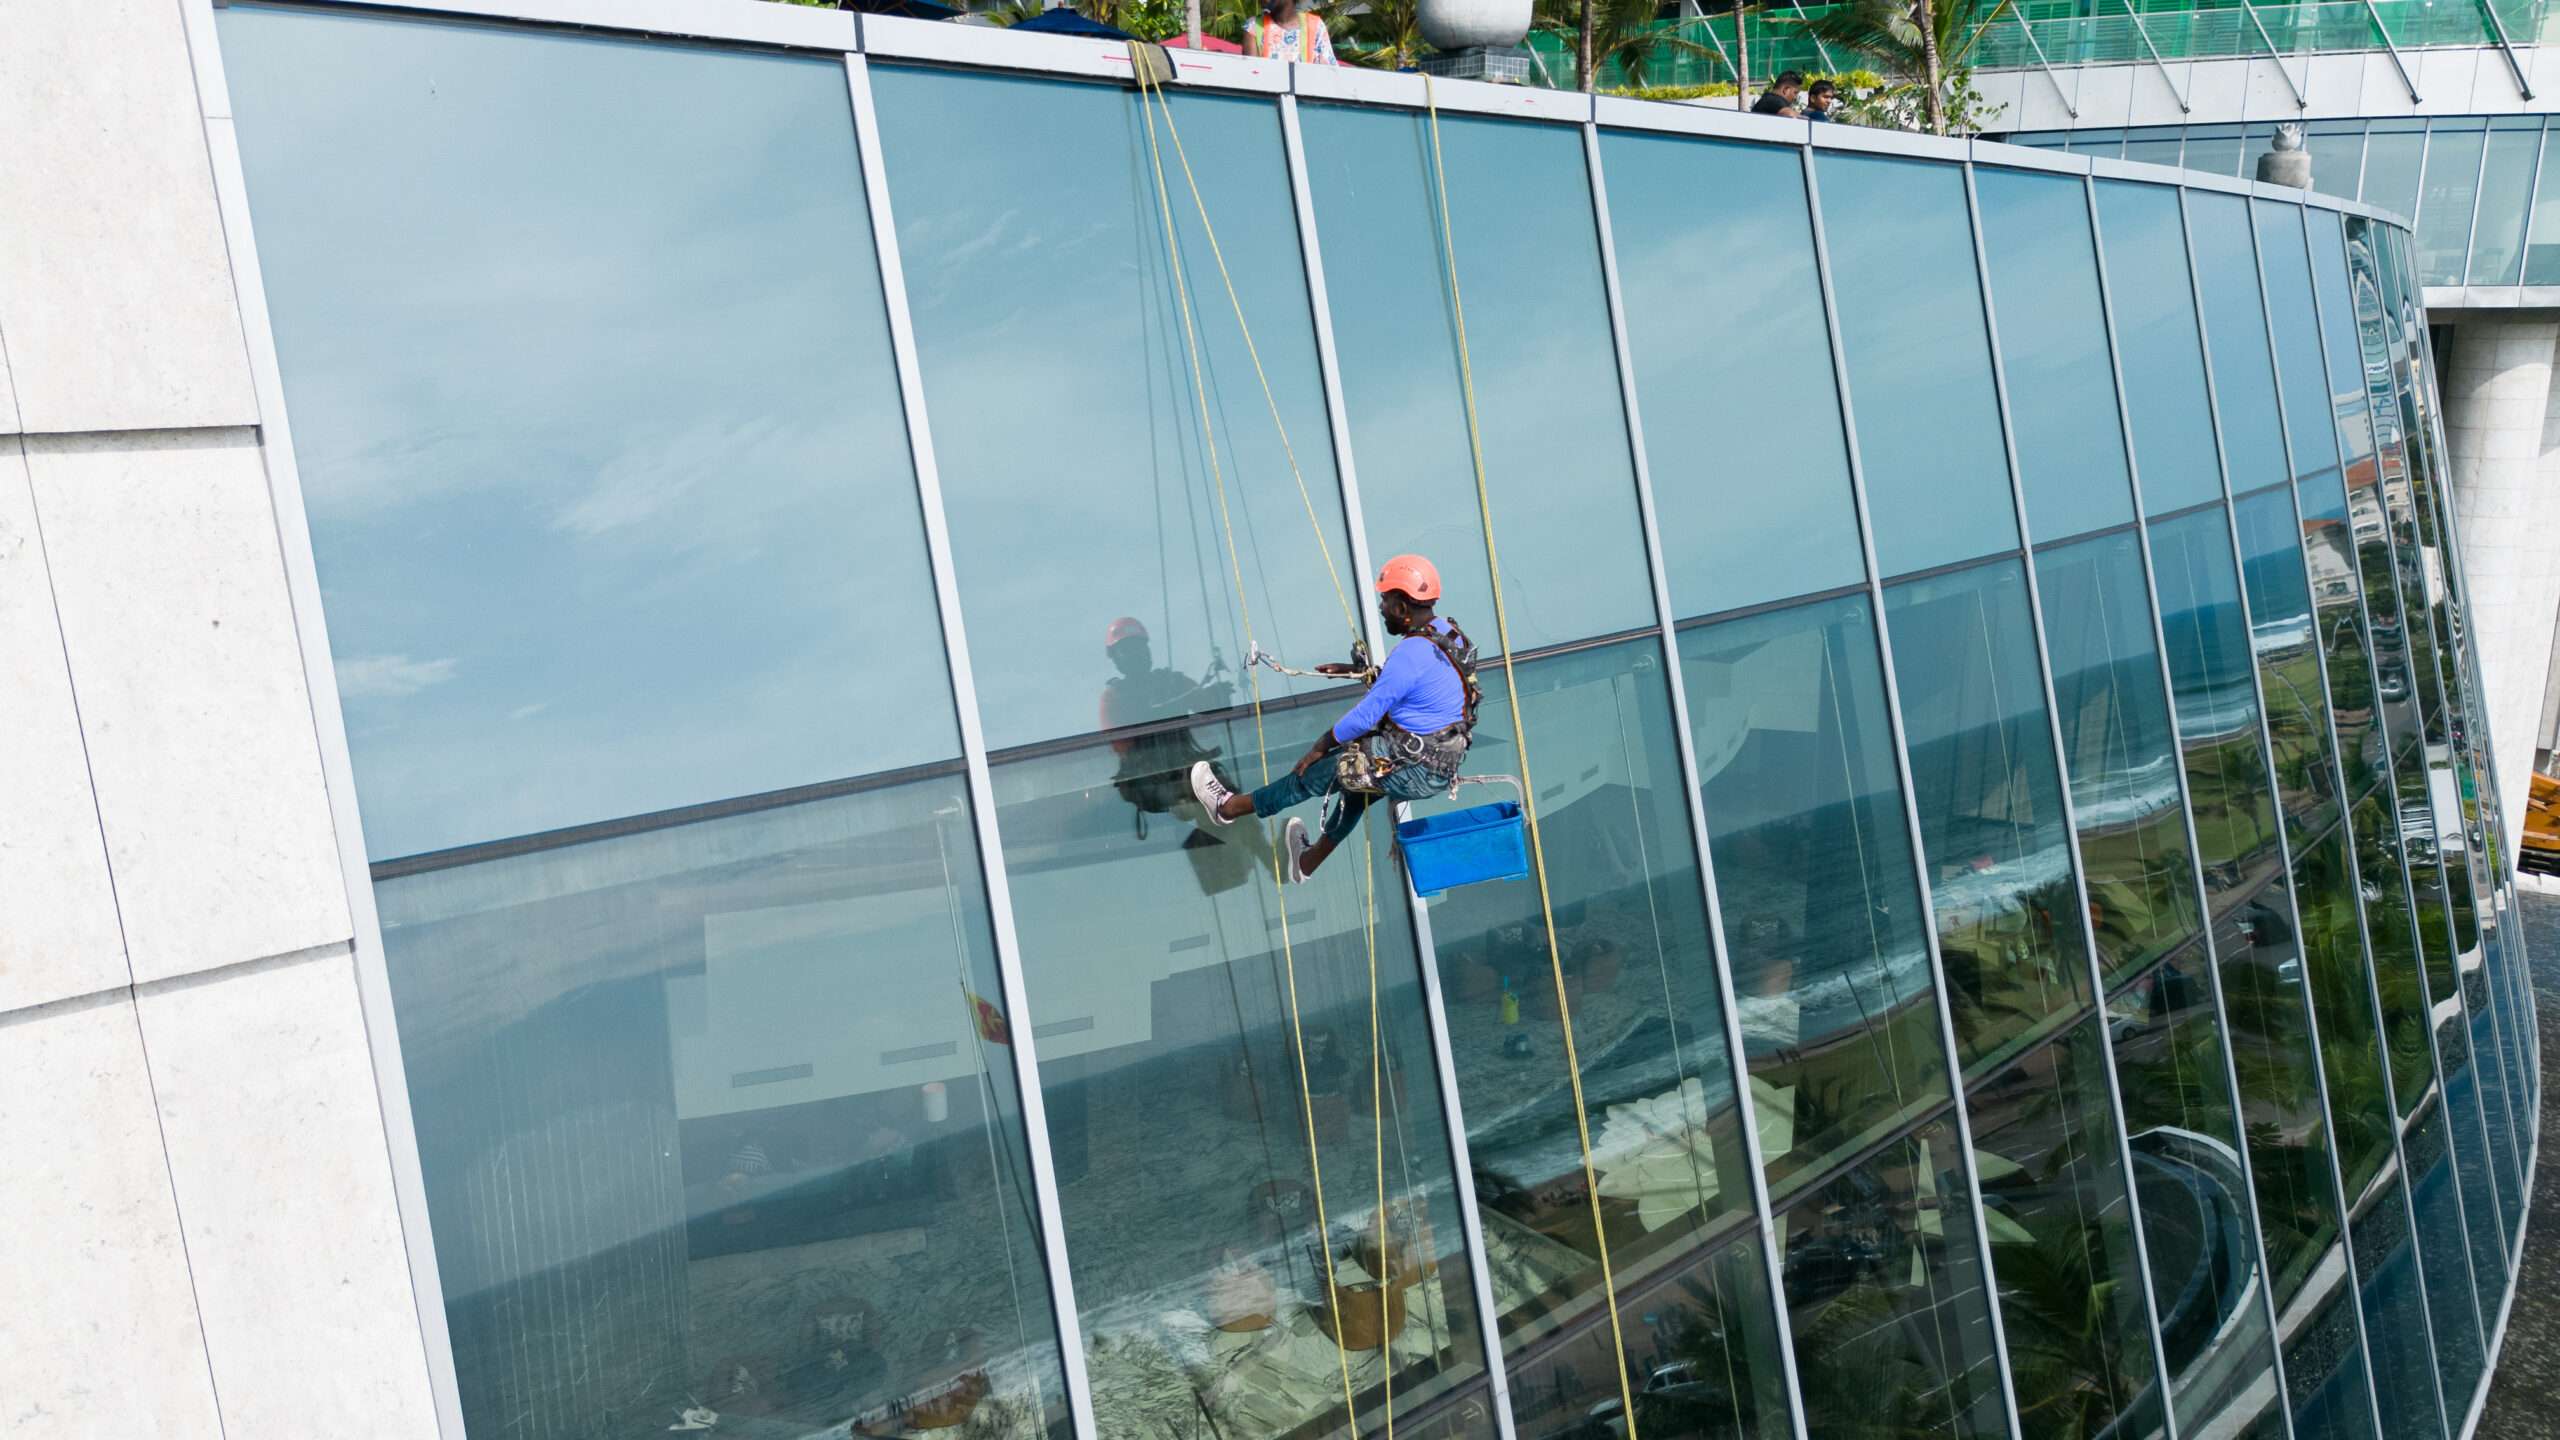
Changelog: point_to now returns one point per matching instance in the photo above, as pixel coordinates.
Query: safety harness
(1365, 764)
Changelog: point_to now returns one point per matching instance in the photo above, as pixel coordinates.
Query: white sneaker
(1210, 791)
(1294, 843)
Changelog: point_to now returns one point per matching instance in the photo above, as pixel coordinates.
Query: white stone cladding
(196, 1174)
(2502, 431)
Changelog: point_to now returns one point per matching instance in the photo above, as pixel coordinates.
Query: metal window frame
(2062, 776)
(2143, 521)
(1962, 1122)
(2266, 751)
(337, 768)
(864, 118)
(1693, 784)
(2345, 821)
(1435, 1006)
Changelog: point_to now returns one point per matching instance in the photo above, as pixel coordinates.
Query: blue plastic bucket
(1481, 842)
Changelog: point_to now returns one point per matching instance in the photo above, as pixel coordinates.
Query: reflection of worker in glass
(1152, 765)
(1405, 739)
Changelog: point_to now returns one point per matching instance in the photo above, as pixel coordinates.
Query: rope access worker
(1405, 739)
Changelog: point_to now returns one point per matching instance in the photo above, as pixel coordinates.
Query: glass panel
(2290, 313)
(2337, 157)
(1885, 1296)
(1703, 1359)
(1813, 864)
(2480, 1230)
(2053, 349)
(2324, 1366)
(2506, 185)
(1545, 361)
(1992, 833)
(2445, 199)
(1068, 409)
(708, 1117)
(2158, 345)
(2118, 752)
(2214, 149)
(2244, 387)
(2360, 1114)
(1237, 1089)
(2053, 1197)
(2173, 1073)
(2395, 1320)
(1733, 360)
(2453, 1311)
(1640, 976)
(614, 514)
(2281, 639)
(2162, 151)
(1910, 306)
(2258, 960)
(2542, 237)
(2392, 153)
(2325, 885)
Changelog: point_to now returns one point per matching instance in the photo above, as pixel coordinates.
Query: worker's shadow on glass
(1154, 765)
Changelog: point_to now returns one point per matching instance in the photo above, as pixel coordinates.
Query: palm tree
(1388, 34)
(1927, 39)
(1626, 31)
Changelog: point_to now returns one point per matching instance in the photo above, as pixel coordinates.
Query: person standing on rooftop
(1286, 30)
(1821, 101)
(1780, 97)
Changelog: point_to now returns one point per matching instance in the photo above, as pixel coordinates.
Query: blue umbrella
(1066, 20)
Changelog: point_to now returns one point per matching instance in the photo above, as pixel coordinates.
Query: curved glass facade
(2029, 960)
(2472, 184)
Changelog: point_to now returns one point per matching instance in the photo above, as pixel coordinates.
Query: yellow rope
(1520, 741)
(1210, 232)
(1235, 565)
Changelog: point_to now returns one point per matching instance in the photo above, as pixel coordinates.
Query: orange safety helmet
(1411, 574)
(1124, 628)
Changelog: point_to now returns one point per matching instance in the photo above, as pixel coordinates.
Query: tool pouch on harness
(1362, 768)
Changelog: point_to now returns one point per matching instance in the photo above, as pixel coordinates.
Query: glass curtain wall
(2005, 928)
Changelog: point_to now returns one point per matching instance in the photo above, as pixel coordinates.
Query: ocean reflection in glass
(1990, 800)
(2118, 751)
(1822, 913)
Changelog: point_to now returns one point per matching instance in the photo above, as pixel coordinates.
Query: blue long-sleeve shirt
(1417, 688)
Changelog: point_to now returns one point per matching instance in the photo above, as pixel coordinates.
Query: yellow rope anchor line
(1235, 565)
(1520, 742)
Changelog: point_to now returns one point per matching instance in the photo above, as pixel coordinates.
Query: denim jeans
(1405, 782)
